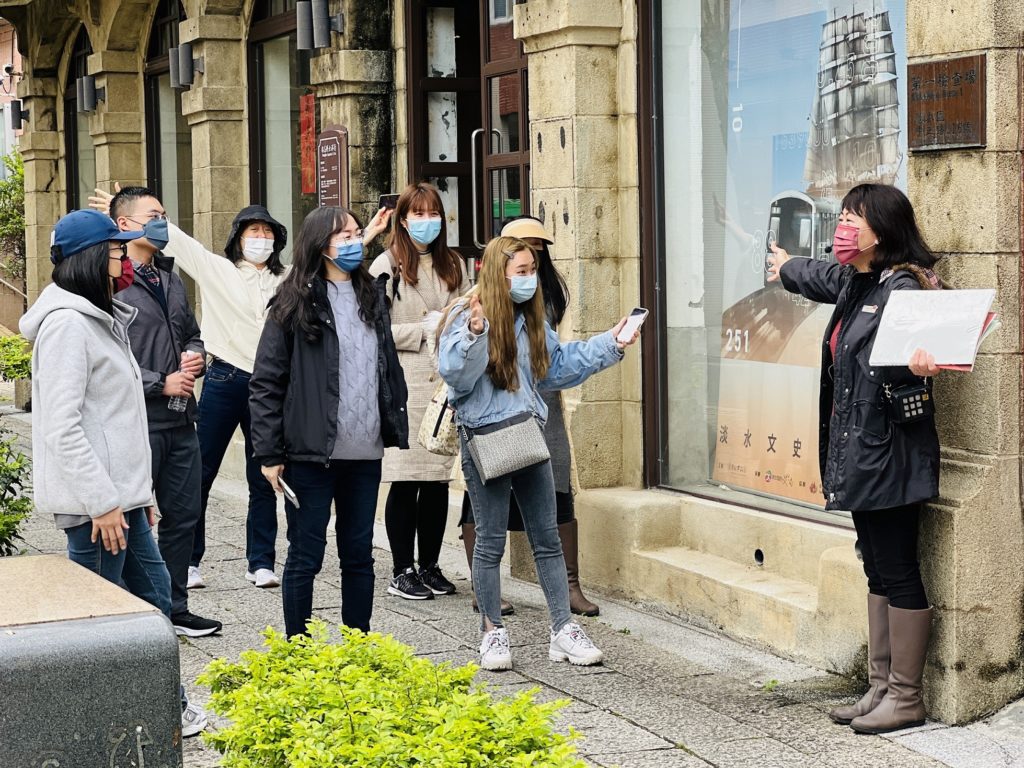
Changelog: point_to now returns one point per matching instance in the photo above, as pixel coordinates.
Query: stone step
(757, 583)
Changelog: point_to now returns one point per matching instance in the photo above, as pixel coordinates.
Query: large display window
(79, 152)
(769, 113)
(168, 136)
(278, 82)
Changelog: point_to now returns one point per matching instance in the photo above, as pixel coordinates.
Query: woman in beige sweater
(427, 276)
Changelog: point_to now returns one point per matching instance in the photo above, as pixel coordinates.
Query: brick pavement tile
(753, 753)
(964, 748)
(605, 732)
(655, 758)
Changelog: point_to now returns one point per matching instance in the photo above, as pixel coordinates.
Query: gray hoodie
(90, 441)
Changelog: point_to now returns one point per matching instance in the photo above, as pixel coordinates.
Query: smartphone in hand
(633, 322)
(289, 494)
(388, 201)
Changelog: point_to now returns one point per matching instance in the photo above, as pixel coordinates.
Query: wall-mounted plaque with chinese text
(946, 103)
(332, 166)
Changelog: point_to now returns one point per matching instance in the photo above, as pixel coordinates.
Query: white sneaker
(195, 579)
(193, 720)
(495, 653)
(264, 578)
(571, 644)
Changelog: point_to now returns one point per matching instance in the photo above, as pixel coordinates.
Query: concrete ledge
(695, 556)
(89, 674)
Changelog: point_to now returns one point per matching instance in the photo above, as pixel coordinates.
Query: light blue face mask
(523, 287)
(424, 231)
(350, 256)
(156, 233)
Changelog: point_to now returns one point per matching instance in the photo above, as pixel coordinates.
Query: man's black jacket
(159, 334)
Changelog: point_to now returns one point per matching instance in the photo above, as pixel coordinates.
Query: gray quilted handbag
(506, 446)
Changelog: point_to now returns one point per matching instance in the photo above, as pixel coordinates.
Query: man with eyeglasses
(166, 343)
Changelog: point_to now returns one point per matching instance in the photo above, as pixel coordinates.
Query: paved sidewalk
(670, 694)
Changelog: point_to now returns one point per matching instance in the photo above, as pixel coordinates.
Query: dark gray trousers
(177, 482)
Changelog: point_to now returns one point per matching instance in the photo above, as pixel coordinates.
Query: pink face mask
(844, 243)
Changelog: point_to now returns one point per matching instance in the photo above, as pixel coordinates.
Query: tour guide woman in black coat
(880, 470)
(327, 395)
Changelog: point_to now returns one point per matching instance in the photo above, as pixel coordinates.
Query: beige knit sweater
(408, 312)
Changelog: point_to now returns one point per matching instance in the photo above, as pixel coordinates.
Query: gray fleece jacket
(90, 442)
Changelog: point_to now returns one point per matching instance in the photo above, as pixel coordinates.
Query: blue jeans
(351, 486)
(535, 492)
(223, 408)
(140, 569)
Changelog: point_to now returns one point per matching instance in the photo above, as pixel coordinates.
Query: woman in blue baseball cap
(90, 442)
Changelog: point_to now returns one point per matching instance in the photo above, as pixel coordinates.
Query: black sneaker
(190, 625)
(407, 584)
(435, 581)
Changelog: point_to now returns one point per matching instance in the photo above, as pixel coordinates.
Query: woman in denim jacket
(496, 352)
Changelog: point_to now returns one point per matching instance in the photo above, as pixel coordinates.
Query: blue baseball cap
(83, 229)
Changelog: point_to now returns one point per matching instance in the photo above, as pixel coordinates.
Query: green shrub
(369, 701)
(14, 506)
(15, 358)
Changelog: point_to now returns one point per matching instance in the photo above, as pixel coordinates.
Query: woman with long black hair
(327, 396)
(880, 468)
(556, 301)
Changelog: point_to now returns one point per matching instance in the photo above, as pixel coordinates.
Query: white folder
(947, 324)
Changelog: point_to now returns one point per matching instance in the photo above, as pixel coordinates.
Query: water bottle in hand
(179, 403)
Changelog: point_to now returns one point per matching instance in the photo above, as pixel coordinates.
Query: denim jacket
(462, 362)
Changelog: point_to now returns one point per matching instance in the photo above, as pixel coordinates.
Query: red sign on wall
(307, 142)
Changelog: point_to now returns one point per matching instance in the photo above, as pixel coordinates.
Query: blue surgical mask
(156, 233)
(349, 256)
(523, 288)
(424, 231)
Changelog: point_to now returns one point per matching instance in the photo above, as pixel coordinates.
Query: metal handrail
(473, 185)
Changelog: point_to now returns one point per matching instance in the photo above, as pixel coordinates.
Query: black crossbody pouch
(909, 403)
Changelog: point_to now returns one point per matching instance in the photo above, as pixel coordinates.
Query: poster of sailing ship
(771, 340)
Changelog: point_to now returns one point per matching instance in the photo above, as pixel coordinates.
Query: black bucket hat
(247, 216)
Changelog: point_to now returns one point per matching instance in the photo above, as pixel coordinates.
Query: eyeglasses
(118, 251)
(148, 218)
(346, 239)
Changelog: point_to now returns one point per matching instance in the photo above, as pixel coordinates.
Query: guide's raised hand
(100, 200)
(476, 315)
(775, 261)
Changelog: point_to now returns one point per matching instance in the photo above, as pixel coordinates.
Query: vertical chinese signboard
(307, 143)
(332, 166)
(804, 126)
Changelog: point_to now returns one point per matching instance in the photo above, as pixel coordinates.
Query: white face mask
(257, 249)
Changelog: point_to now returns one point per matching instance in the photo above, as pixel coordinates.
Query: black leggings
(416, 508)
(888, 544)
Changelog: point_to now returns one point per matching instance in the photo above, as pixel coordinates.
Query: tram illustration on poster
(771, 340)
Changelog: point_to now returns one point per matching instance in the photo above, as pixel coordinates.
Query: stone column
(968, 204)
(353, 87)
(215, 107)
(587, 199)
(40, 149)
(116, 126)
